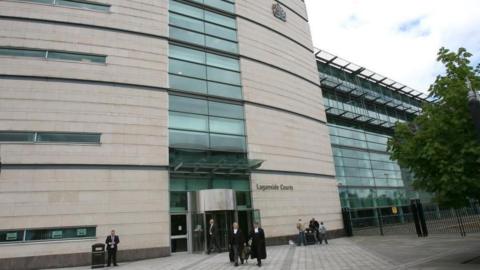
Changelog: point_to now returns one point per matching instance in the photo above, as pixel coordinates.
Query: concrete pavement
(359, 253)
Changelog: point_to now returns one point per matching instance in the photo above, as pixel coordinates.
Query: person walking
(258, 250)
(212, 237)
(236, 242)
(313, 229)
(112, 242)
(301, 233)
(322, 230)
(316, 227)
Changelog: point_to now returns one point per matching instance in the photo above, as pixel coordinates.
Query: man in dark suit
(236, 242)
(112, 246)
(212, 237)
(258, 250)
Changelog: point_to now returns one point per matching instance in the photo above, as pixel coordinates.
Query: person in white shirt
(322, 230)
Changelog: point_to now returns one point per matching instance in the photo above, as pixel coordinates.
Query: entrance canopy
(206, 163)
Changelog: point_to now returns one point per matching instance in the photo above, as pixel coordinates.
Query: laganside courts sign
(274, 187)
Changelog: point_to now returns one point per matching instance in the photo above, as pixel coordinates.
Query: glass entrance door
(224, 221)
(200, 224)
(198, 236)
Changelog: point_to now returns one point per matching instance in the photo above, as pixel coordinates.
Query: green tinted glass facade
(206, 113)
(361, 113)
(203, 124)
(203, 27)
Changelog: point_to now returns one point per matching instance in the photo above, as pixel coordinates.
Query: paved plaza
(359, 253)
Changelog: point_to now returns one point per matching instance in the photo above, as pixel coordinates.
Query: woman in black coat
(258, 249)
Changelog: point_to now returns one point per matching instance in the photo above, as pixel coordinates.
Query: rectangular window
(200, 57)
(219, 31)
(187, 121)
(177, 184)
(200, 66)
(178, 201)
(226, 126)
(221, 44)
(59, 233)
(203, 27)
(68, 137)
(78, 57)
(187, 36)
(11, 236)
(186, 9)
(41, 1)
(220, 19)
(17, 136)
(187, 54)
(197, 184)
(22, 52)
(226, 110)
(224, 90)
(223, 62)
(223, 76)
(76, 4)
(243, 199)
(228, 143)
(240, 185)
(47, 234)
(187, 84)
(84, 5)
(188, 139)
(183, 68)
(187, 22)
(186, 104)
(188, 184)
(228, 6)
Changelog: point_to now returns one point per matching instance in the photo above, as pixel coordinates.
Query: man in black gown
(236, 242)
(258, 249)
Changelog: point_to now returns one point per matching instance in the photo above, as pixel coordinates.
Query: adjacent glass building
(362, 108)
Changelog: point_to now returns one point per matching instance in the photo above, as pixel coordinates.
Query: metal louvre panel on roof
(335, 61)
(358, 117)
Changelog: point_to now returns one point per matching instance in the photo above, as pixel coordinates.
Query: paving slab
(355, 253)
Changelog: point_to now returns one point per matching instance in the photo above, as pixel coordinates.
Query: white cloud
(398, 39)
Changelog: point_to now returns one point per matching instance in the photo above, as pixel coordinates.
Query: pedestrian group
(313, 234)
(241, 246)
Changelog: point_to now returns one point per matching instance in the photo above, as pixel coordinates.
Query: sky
(397, 39)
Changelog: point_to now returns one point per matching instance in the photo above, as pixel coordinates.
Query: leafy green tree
(439, 146)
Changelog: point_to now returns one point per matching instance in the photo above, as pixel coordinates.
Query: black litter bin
(98, 255)
(309, 237)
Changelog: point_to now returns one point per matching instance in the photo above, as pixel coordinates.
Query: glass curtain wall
(366, 175)
(361, 115)
(206, 113)
(204, 71)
